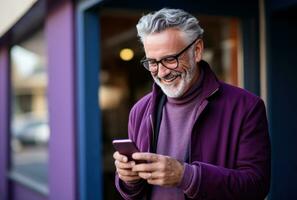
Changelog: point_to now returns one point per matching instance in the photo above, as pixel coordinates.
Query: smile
(169, 79)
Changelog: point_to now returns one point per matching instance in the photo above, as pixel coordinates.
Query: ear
(198, 50)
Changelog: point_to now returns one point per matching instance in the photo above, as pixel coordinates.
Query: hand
(159, 170)
(124, 168)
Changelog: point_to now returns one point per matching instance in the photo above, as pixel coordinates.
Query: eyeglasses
(170, 62)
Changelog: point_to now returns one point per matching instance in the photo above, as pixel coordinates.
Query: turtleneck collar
(209, 86)
(193, 92)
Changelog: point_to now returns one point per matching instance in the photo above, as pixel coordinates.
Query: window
(29, 113)
(222, 47)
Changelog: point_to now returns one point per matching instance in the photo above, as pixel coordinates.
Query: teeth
(170, 79)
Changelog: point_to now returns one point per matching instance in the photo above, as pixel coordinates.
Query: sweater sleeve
(250, 177)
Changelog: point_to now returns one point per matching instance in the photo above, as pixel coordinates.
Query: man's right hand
(124, 168)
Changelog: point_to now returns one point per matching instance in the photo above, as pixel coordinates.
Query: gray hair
(165, 18)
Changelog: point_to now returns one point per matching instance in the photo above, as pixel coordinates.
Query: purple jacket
(229, 148)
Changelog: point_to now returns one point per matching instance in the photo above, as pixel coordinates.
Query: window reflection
(222, 47)
(29, 117)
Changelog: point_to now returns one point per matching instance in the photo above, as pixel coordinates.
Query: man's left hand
(158, 169)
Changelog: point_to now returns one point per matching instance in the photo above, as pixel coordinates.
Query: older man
(200, 138)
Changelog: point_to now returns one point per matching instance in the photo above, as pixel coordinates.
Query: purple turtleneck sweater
(175, 133)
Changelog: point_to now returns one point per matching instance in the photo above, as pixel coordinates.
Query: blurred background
(70, 72)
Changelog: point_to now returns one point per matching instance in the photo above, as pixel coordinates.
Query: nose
(162, 71)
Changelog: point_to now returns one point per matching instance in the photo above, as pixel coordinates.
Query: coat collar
(210, 82)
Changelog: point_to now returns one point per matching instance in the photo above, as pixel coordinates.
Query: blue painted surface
(282, 97)
(89, 117)
(250, 39)
(282, 4)
(215, 7)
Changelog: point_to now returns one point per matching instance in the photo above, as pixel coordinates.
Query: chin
(173, 91)
(179, 86)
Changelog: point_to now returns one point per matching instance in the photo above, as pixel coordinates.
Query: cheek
(186, 64)
(183, 67)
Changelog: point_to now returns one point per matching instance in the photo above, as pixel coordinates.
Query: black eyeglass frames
(170, 62)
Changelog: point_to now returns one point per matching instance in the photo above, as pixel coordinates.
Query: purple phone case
(126, 147)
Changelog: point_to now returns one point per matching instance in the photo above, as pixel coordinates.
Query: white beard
(176, 91)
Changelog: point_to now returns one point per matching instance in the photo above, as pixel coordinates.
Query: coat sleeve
(130, 191)
(137, 190)
(250, 177)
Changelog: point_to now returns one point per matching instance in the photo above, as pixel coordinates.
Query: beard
(176, 90)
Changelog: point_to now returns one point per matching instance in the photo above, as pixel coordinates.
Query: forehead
(167, 42)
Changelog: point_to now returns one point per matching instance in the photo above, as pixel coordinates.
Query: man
(200, 138)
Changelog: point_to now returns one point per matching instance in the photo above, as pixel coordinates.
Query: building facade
(70, 72)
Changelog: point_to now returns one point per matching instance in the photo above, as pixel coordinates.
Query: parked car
(31, 130)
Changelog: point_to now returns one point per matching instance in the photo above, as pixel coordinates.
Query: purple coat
(230, 147)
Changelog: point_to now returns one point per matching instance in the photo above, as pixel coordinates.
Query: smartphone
(126, 147)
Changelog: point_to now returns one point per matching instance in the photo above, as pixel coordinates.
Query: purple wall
(61, 100)
(61, 96)
(21, 192)
(4, 161)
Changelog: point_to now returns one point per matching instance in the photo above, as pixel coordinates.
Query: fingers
(123, 165)
(151, 175)
(129, 178)
(145, 175)
(157, 169)
(124, 168)
(145, 167)
(127, 175)
(153, 162)
(150, 157)
(165, 172)
(153, 178)
(124, 172)
(120, 157)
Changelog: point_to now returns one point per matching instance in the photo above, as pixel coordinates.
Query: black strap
(158, 120)
(154, 142)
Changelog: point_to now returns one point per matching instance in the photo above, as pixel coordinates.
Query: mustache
(171, 75)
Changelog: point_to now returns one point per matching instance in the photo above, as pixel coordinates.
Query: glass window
(222, 47)
(124, 80)
(29, 110)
